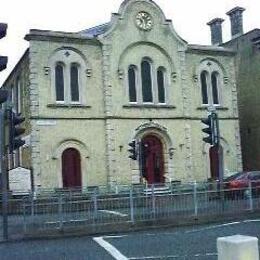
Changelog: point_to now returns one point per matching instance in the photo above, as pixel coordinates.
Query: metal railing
(93, 209)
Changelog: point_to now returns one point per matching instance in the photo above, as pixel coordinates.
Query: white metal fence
(97, 209)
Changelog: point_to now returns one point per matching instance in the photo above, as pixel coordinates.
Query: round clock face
(144, 21)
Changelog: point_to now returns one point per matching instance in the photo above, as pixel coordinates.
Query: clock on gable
(144, 21)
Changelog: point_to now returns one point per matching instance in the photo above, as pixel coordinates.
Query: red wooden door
(153, 159)
(71, 168)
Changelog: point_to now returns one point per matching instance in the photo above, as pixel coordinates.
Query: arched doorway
(71, 168)
(152, 159)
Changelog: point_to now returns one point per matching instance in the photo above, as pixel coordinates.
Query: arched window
(132, 83)
(214, 83)
(74, 82)
(67, 77)
(59, 82)
(146, 81)
(204, 87)
(161, 84)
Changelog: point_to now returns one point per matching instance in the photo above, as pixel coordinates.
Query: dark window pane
(132, 84)
(204, 88)
(161, 87)
(74, 83)
(146, 81)
(59, 83)
(214, 82)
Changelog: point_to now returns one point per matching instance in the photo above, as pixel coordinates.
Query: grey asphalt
(183, 243)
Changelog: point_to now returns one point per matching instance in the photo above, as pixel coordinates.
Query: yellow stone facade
(102, 124)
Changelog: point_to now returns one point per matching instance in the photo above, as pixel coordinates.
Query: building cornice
(193, 118)
(44, 35)
(208, 49)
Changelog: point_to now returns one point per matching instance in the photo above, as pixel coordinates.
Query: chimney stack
(216, 30)
(236, 19)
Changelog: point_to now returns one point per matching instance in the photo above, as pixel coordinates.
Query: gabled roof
(95, 31)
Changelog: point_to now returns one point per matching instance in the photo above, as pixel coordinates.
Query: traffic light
(3, 96)
(209, 130)
(3, 59)
(132, 150)
(215, 129)
(16, 131)
(3, 28)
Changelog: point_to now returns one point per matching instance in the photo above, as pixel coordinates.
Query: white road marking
(212, 227)
(110, 249)
(115, 236)
(154, 257)
(206, 228)
(251, 220)
(114, 212)
(171, 256)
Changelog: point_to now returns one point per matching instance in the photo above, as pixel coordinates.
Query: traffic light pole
(3, 176)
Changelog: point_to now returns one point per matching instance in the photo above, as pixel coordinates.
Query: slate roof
(95, 31)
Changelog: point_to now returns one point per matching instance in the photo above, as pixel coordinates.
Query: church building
(87, 95)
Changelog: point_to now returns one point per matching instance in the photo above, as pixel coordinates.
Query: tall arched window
(214, 83)
(161, 84)
(132, 83)
(74, 82)
(204, 87)
(68, 66)
(59, 82)
(146, 81)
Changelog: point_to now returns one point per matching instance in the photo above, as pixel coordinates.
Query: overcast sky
(189, 18)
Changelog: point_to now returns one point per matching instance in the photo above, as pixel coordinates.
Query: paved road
(183, 243)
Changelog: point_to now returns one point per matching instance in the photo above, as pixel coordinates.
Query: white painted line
(110, 249)
(155, 257)
(251, 220)
(172, 256)
(114, 212)
(114, 236)
(204, 228)
(212, 227)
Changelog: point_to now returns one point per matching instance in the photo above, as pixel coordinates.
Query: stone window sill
(149, 106)
(217, 108)
(68, 106)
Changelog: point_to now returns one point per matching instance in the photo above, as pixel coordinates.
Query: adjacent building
(247, 64)
(87, 95)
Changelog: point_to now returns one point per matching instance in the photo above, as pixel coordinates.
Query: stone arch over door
(84, 155)
(230, 163)
(164, 143)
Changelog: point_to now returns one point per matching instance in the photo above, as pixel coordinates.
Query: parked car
(239, 183)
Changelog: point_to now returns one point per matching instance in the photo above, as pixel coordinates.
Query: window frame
(135, 70)
(154, 83)
(163, 70)
(210, 71)
(206, 73)
(61, 64)
(69, 56)
(216, 74)
(149, 61)
(74, 64)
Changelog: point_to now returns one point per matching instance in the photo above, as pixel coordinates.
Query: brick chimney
(236, 19)
(216, 30)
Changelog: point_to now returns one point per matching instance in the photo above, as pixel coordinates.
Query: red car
(239, 183)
